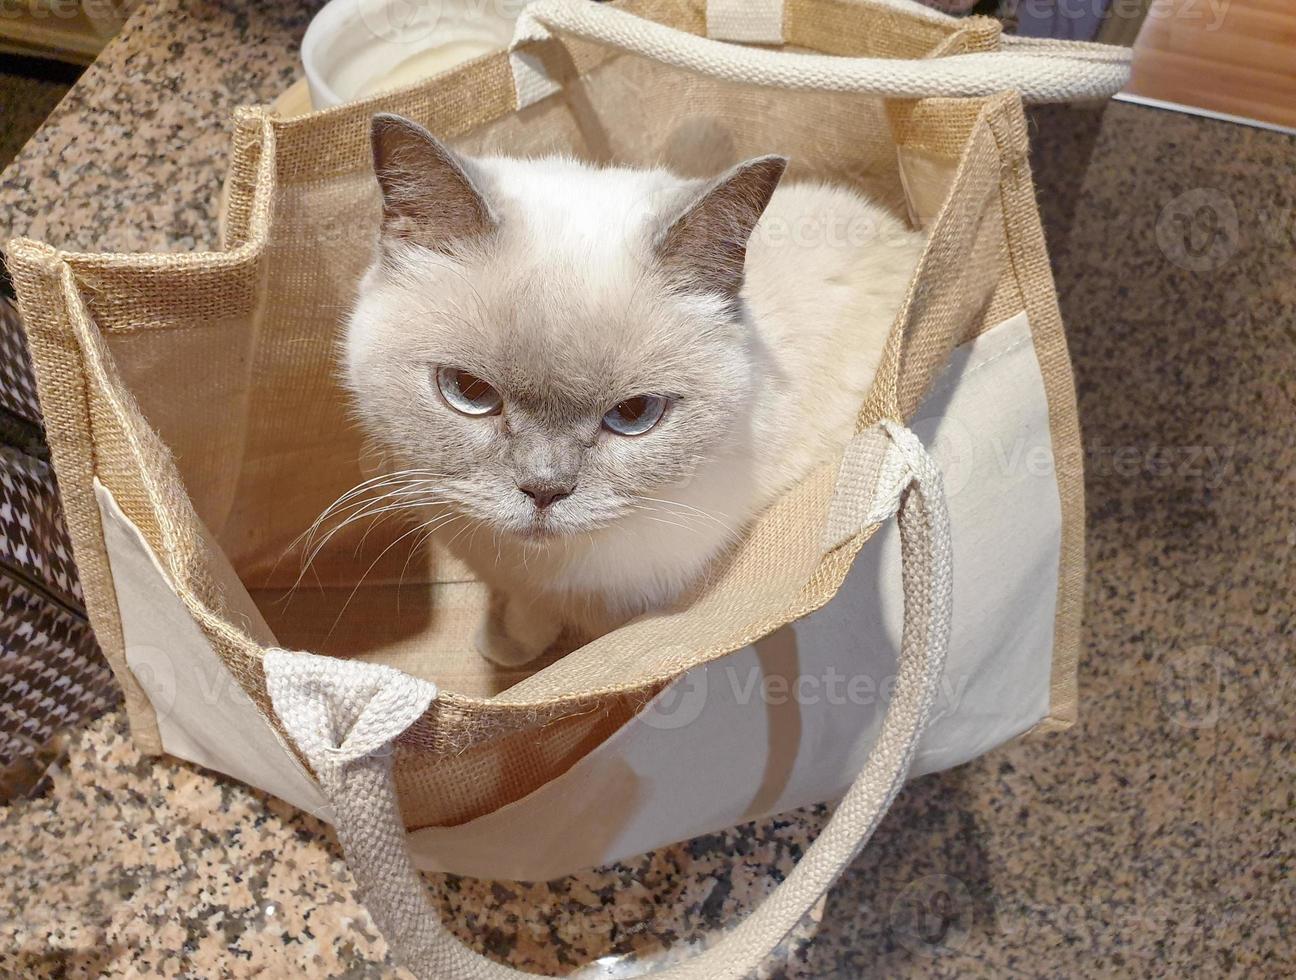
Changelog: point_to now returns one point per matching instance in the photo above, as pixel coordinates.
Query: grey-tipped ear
(705, 247)
(429, 195)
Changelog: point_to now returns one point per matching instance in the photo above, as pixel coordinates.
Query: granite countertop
(1158, 836)
(132, 160)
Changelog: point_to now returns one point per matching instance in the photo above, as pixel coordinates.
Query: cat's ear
(704, 247)
(429, 195)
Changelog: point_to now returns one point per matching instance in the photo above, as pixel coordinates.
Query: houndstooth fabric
(52, 675)
(17, 384)
(33, 538)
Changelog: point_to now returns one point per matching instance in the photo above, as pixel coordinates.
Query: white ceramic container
(357, 48)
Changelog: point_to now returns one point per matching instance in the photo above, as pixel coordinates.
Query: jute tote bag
(198, 430)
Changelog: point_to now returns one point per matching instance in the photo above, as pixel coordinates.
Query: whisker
(659, 520)
(406, 497)
(681, 509)
(372, 509)
(399, 478)
(372, 566)
(431, 527)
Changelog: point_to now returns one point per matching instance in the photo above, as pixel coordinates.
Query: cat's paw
(499, 648)
(516, 634)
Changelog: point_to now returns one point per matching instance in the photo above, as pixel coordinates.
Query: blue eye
(635, 416)
(466, 393)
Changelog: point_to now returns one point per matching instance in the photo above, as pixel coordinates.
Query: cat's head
(551, 343)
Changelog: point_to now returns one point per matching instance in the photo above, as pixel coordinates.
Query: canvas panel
(204, 716)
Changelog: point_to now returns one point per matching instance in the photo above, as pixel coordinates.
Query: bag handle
(344, 715)
(1041, 71)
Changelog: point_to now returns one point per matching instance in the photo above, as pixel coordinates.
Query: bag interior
(250, 403)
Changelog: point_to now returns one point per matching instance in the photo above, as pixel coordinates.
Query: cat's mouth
(544, 528)
(551, 525)
(536, 528)
(541, 530)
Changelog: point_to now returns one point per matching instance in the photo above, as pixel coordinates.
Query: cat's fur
(571, 287)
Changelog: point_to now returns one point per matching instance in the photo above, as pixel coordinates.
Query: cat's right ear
(705, 247)
(429, 196)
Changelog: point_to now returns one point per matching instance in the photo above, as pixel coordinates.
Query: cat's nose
(544, 494)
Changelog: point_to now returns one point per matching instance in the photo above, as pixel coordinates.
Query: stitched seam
(978, 365)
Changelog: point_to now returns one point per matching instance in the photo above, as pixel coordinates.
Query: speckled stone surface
(133, 158)
(1158, 837)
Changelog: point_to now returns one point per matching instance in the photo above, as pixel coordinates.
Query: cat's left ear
(430, 196)
(705, 247)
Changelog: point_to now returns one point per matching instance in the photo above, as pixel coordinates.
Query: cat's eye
(467, 393)
(635, 416)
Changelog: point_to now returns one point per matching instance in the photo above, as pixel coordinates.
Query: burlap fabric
(201, 390)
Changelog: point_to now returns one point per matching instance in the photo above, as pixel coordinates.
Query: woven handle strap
(1056, 71)
(345, 714)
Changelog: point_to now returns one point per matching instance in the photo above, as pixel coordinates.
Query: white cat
(594, 377)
